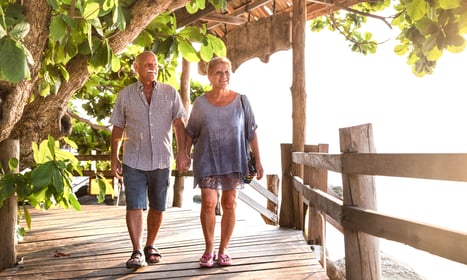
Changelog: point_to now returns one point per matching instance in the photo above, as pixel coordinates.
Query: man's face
(146, 67)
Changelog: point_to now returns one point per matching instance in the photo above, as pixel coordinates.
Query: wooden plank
(319, 199)
(258, 207)
(264, 192)
(439, 241)
(450, 167)
(319, 160)
(96, 238)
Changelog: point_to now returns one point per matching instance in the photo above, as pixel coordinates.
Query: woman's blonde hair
(218, 60)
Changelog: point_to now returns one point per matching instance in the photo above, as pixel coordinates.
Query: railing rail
(357, 167)
(268, 212)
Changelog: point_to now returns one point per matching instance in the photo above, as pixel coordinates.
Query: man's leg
(158, 182)
(135, 193)
(134, 223)
(154, 221)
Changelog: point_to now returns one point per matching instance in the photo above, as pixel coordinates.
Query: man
(142, 119)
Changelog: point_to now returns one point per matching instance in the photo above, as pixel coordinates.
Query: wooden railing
(268, 212)
(356, 215)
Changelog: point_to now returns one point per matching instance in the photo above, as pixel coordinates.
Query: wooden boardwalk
(94, 244)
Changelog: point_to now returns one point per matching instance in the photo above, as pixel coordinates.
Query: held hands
(183, 162)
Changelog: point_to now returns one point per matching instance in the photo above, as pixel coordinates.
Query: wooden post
(272, 182)
(179, 183)
(362, 259)
(298, 98)
(286, 214)
(9, 211)
(316, 178)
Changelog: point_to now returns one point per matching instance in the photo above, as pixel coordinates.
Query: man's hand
(183, 162)
(116, 168)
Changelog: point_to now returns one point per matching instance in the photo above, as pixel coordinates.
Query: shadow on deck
(94, 243)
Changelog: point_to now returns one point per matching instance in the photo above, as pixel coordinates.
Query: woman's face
(219, 76)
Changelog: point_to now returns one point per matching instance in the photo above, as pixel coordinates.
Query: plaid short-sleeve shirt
(147, 143)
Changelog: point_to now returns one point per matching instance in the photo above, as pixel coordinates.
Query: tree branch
(88, 122)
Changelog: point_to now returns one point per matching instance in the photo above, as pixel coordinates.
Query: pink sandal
(224, 260)
(207, 260)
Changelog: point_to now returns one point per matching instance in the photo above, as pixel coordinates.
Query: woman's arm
(255, 149)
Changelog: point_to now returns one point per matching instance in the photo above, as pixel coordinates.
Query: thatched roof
(256, 28)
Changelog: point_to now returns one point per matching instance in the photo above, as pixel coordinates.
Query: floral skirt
(222, 182)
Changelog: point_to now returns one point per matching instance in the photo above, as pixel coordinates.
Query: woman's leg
(229, 204)
(208, 217)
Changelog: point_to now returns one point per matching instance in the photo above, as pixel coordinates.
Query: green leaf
(57, 180)
(13, 65)
(120, 18)
(74, 202)
(434, 54)
(463, 23)
(20, 30)
(115, 63)
(206, 52)
(64, 72)
(70, 142)
(217, 45)
(27, 216)
(91, 10)
(449, 4)
(13, 163)
(426, 26)
(41, 176)
(3, 32)
(7, 187)
(57, 28)
(416, 9)
(188, 51)
(108, 4)
(51, 144)
(430, 42)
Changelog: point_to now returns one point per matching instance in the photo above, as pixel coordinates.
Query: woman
(221, 127)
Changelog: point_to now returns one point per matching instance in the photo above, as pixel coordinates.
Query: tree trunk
(298, 98)
(35, 121)
(9, 211)
(179, 184)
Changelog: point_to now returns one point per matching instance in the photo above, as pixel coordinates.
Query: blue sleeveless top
(219, 137)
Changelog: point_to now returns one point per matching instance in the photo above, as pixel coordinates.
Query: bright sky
(408, 114)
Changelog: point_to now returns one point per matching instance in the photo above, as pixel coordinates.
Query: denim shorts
(141, 186)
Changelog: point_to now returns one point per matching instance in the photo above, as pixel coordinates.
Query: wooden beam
(319, 199)
(224, 18)
(441, 242)
(319, 160)
(450, 167)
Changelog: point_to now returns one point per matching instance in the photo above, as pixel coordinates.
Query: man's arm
(182, 159)
(116, 141)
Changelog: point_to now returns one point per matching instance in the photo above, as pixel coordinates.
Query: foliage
(85, 29)
(427, 29)
(14, 55)
(88, 139)
(47, 184)
(197, 89)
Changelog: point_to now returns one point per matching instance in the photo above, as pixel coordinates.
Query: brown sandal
(152, 254)
(136, 260)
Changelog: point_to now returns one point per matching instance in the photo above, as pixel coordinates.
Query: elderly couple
(221, 127)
